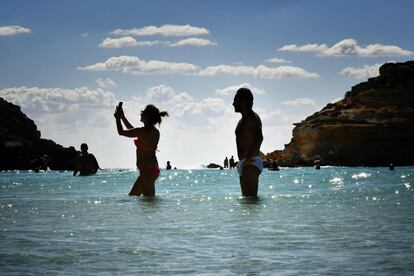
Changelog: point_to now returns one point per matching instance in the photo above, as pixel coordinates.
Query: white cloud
(51, 100)
(349, 47)
(183, 103)
(193, 42)
(268, 115)
(203, 106)
(291, 118)
(164, 30)
(126, 41)
(231, 90)
(278, 60)
(160, 91)
(300, 102)
(367, 71)
(105, 83)
(304, 48)
(136, 66)
(260, 71)
(85, 35)
(13, 30)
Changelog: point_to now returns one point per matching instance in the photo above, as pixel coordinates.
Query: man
(232, 165)
(226, 163)
(168, 165)
(249, 138)
(86, 163)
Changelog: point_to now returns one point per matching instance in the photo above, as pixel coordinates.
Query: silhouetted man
(168, 165)
(249, 138)
(232, 165)
(86, 163)
(226, 163)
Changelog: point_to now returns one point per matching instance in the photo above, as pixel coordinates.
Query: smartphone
(120, 104)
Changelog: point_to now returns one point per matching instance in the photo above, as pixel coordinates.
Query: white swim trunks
(255, 161)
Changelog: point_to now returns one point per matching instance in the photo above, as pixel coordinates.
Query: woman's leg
(137, 188)
(148, 184)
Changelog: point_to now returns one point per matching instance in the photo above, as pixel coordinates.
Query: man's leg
(249, 180)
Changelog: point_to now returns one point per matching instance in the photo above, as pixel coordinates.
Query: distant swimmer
(274, 166)
(146, 142)
(41, 163)
(317, 164)
(249, 138)
(168, 165)
(226, 162)
(86, 163)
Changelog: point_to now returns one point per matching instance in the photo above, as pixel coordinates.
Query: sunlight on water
(360, 219)
(361, 175)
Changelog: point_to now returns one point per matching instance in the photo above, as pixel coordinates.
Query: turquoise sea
(334, 221)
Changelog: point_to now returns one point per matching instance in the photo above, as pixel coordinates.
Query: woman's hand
(119, 112)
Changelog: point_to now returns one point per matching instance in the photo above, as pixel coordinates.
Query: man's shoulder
(91, 156)
(255, 118)
(255, 115)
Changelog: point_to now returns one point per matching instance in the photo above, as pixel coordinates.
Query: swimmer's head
(84, 147)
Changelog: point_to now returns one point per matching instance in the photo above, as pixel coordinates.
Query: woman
(146, 141)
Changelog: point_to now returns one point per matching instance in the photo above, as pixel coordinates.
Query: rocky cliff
(21, 146)
(372, 126)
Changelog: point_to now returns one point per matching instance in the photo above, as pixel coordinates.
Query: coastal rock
(372, 126)
(213, 166)
(21, 145)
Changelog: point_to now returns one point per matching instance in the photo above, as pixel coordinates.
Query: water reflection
(251, 200)
(149, 202)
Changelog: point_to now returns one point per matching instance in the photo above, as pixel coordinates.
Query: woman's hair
(154, 114)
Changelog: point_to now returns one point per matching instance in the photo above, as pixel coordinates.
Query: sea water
(333, 221)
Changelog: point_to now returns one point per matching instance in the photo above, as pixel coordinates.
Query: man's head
(243, 100)
(84, 148)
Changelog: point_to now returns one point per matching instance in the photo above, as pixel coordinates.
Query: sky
(68, 63)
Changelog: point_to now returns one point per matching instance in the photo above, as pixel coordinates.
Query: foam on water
(334, 220)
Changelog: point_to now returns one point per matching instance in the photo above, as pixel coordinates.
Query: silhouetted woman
(146, 141)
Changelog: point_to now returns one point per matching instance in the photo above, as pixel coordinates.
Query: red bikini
(154, 170)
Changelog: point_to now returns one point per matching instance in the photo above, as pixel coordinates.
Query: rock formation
(213, 166)
(22, 148)
(372, 126)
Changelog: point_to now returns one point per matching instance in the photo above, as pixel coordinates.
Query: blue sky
(67, 63)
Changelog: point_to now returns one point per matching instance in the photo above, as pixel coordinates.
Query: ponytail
(164, 114)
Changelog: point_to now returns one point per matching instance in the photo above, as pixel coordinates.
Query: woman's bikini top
(137, 143)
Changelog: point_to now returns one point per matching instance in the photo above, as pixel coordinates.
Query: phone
(120, 104)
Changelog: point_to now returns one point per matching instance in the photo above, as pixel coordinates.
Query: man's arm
(76, 166)
(256, 126)
(95, 165)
